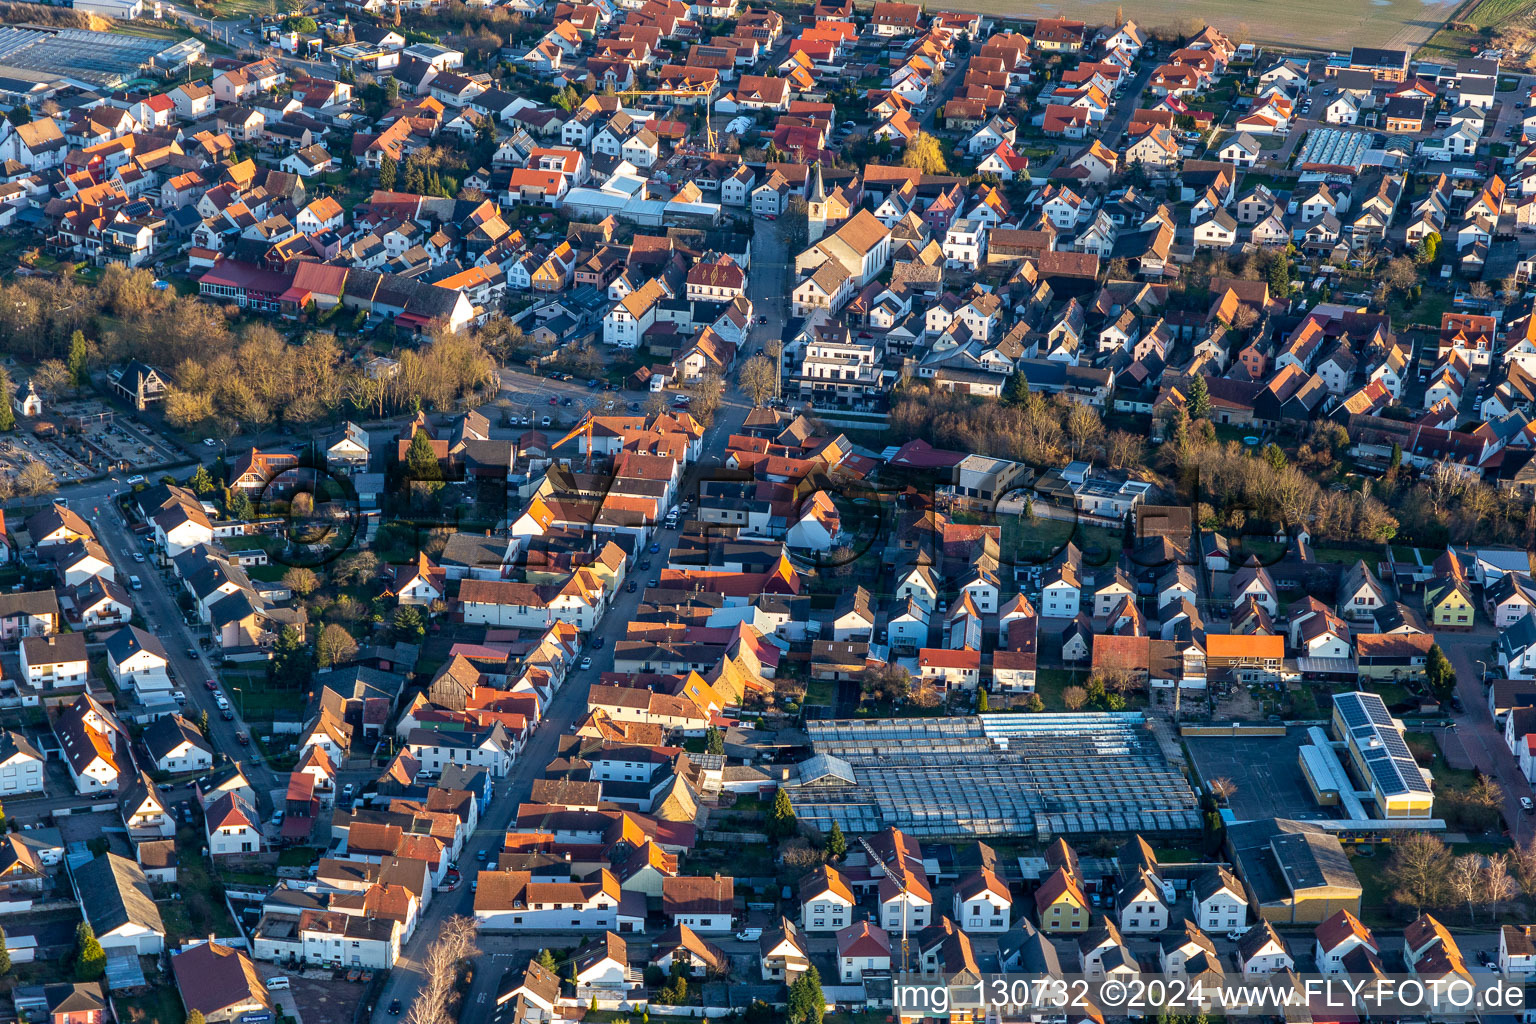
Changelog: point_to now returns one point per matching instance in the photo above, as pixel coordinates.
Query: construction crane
(584, 428)
(711, 140)
(900, 884)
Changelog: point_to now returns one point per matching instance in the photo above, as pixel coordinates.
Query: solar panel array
(996, 775)
(1373, 733)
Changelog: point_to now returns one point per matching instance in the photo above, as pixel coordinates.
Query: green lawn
(160, 1005)
(821, 692)
(1446, 777)
(1051, 682)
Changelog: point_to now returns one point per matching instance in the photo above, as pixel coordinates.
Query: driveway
(1480, 738)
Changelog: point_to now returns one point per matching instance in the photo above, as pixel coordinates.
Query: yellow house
(1449, 603)
(1061, 905)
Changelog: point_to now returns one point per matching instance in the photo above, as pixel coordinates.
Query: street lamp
(1484, 664)
(242, 699)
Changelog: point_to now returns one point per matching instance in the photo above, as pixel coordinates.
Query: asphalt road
(768, 289)
(163, 617)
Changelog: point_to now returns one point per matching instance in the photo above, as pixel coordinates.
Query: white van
(134, 583)
(277, 982)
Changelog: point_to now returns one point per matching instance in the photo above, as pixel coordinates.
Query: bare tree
(759, 378)
(36, 478)
(707, 395)
(1523, 861)
(1222, 788)
(1465, 880)
(454, 944)
(1498, 885)
(1074, 697)
(1419, 868)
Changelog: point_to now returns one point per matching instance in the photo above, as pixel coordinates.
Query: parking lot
(534, 398)
(1265, 770)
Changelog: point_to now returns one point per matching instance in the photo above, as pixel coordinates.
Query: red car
(553, 400)
(210, 684)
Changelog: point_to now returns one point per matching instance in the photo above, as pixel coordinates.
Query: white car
(178, 697)
(135, 480)
(210, 442)
(586, 663)
(1526, 805)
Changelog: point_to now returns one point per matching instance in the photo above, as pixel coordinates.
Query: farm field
(1315, 25)
(1472, 30)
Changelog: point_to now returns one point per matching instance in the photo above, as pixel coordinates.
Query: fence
(1233, 730)
(734, 837)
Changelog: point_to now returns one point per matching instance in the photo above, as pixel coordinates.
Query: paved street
(1480, 738)
(768, 288)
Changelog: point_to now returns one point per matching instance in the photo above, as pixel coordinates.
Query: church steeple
(816, 205)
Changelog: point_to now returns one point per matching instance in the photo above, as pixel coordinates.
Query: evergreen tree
(1274, 457)
(408, 625)
(781, 819)
(7, 414)
(387, 171)
(239, 506)
(202, 721)
(1439, 672)
(201, 481)
(77, 353)
(1016, 390)
(1199, 397)
(5, 956)
(421, 461)
(546, 960)
(714, 741)
(806, 1003)
(196, 1017)
(1280, 276)
(19, 115)
(982, 705)
(90, 958)
(1396, 458)
(837, 845)
(290, 660)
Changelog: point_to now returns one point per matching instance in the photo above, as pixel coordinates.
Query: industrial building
(90, 60)
(992, 775)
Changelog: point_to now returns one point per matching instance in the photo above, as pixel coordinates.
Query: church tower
(816, 201)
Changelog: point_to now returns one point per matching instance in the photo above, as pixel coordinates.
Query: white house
(982, 902)
(512, 901)
(1260, 951)
(175, 745)
(137, 660)
(21, 766)
(1143, 907)
(1218, 901)
(1337, 937)
(232, 826)
(826, 901)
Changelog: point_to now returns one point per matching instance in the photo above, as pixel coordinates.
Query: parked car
(227, 714)
(586, 663)
(178, 697)
(138, 556)
(210, 685)
(242, 739)
(1526, 805)
(631, 586)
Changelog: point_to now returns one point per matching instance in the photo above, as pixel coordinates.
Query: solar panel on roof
(1354, 714)
(1388, 780)
(1393, 741)
(1377, 709)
